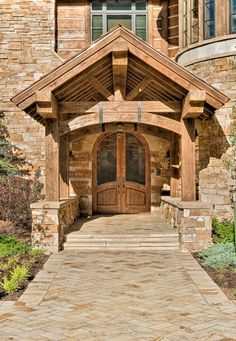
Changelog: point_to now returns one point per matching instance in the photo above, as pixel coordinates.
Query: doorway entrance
(121, 174)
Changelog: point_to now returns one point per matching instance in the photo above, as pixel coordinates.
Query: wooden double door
(121, 174)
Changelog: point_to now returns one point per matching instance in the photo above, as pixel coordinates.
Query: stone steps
(76, 241)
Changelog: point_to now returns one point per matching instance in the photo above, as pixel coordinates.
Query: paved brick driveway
(120, 296)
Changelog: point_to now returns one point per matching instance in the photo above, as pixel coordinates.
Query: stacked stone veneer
(50, 221)
(27, 41)
(192, 220)
(215, 182)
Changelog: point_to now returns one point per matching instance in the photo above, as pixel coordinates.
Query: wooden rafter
(138, 89)
(119, 68)
(101, 88)
(143, 52)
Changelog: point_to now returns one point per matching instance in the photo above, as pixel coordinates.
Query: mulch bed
(224, 278)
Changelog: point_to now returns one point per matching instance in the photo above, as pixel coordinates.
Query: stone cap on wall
(176, 201)
(52, 204)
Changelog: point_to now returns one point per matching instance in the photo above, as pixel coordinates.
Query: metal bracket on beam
(100, 113)
(139, 112)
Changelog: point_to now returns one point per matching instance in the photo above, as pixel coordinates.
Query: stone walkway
(120, 296)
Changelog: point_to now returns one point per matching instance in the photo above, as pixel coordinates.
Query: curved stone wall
(215, 143)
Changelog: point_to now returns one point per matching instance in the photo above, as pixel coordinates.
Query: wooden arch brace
(46, 104)
(146, 118)
(119, 68)
(193, 104)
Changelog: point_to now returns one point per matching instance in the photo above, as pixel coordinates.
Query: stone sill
(52, 204)
(185, 204)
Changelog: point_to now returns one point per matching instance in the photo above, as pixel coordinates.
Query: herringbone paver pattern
(120, 296)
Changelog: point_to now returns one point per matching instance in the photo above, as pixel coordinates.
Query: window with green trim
(110, 13)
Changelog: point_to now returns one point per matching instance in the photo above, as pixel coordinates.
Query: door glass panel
(114, 20)
(106, 160)
(135, 160)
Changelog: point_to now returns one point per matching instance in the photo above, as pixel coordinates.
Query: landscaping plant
(17, 259)
(222, 231)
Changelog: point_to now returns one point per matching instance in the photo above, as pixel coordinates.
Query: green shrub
(10, 246)
(222, 231)
(20, 273)
(10, 285)
(219, 256)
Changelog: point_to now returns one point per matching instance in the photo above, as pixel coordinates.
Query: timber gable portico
(117, 98)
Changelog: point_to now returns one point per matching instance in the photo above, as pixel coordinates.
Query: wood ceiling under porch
(119, 78)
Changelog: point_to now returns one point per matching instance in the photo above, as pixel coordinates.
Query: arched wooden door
(121, 174)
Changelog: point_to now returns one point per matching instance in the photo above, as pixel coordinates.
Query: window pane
(141, 21)
(140, 5)
(194, 21)
(120, 5)
(97, 21)
(233, 16)
(209, 18)
(233, 6)
(96, 34)
(106, 160)
(140, 30)
(135, 160)
(96, 27)
(96, 5)
(233, 24)
(114, 20)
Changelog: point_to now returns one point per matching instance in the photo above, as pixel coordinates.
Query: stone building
(125, 106)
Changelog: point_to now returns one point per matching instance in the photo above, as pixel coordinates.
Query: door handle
(123, 188)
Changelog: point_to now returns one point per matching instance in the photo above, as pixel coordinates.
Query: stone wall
(27, 41)
(192, 220)
(50, 221)
(215, 182)
(73, 31)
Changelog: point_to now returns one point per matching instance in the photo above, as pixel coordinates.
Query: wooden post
(64, 167)
(174, 164)
(188, 167)
(52, 160)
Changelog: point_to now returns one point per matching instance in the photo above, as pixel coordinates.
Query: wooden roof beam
(119, 67)
(120, 107)
(101, 88)
(138, 88)
(46, 104)
(131, 117)
(193, 104)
